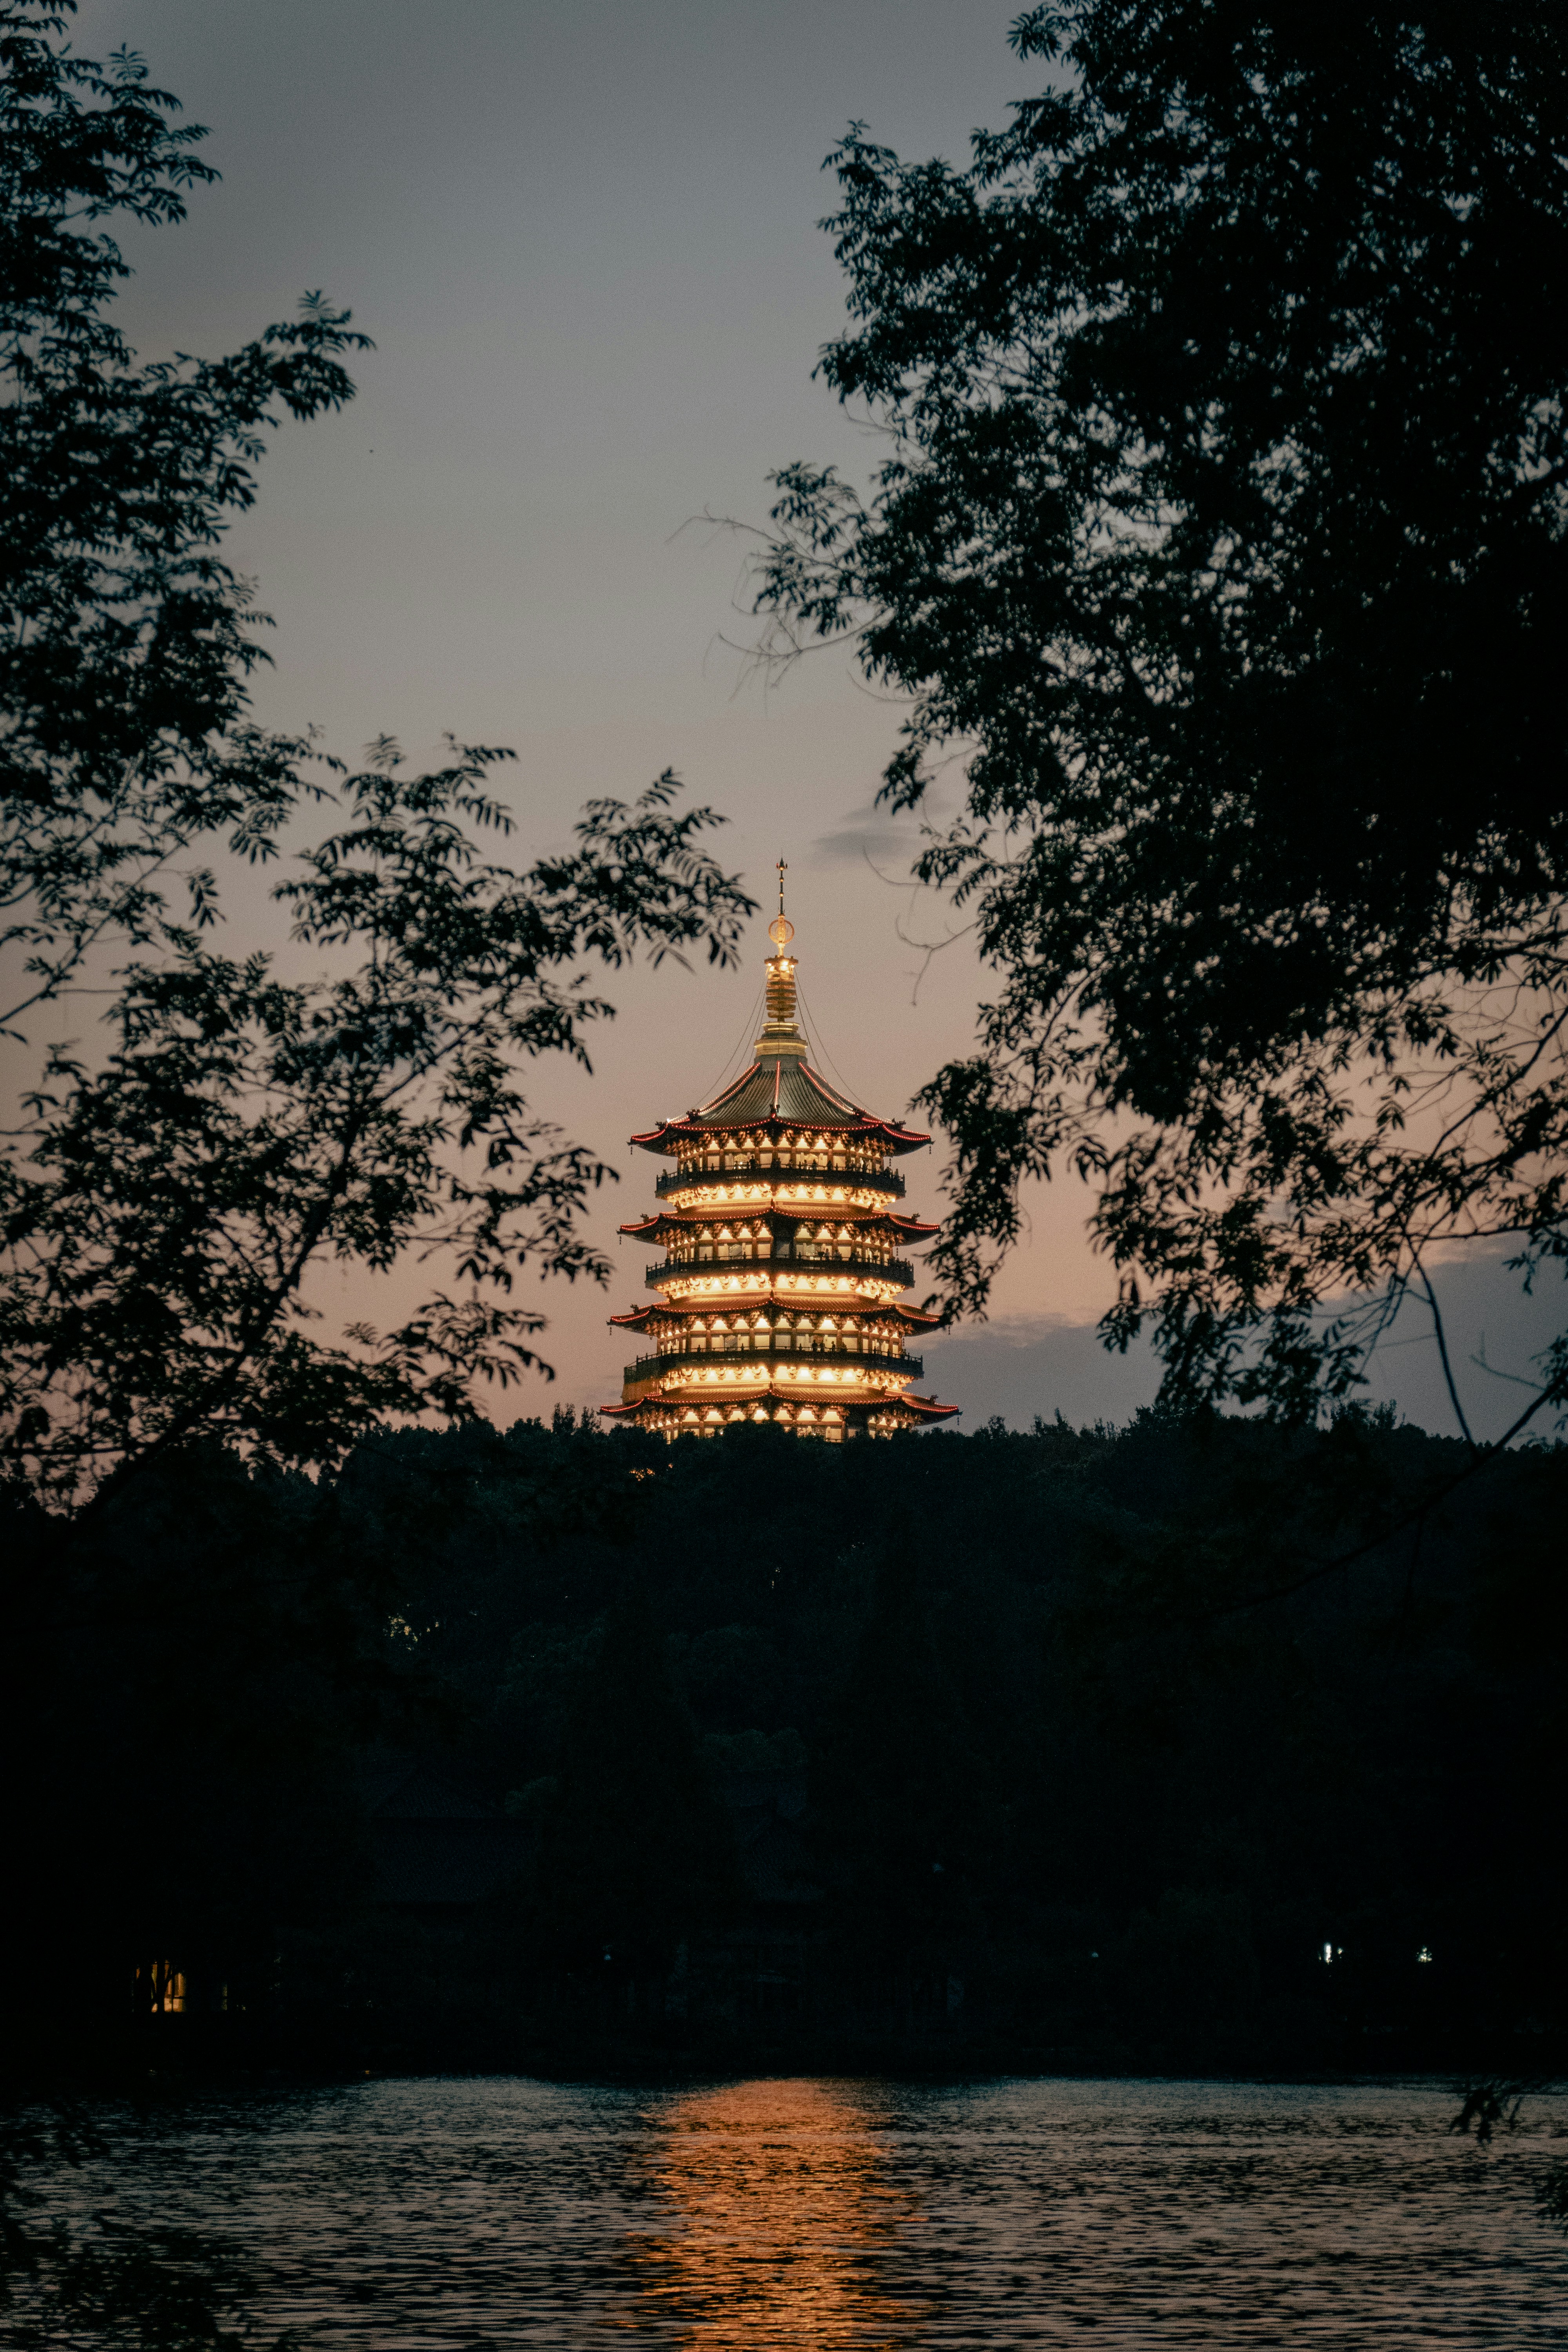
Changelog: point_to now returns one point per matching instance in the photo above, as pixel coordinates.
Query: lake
(455, 2213)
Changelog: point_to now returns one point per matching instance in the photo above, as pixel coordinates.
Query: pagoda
(784, 1255)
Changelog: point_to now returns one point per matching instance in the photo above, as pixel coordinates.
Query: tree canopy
(162, 1209)
(1221, 536)
(173, 1178)
(126, 643)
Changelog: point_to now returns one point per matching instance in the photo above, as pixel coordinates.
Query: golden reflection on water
(781, 2219)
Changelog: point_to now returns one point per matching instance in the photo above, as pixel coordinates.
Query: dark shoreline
(157, 2068)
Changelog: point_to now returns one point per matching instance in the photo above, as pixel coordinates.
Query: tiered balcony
(875, 1179)
(648, 1368)
(828, 1255)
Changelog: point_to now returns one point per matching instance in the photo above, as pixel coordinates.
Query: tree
(198, 1672)
(164, 1203)
(905, 1804)
(91, 2278)
(1222, 534)
(638, 1852)
(162, 1211)
(125, 641)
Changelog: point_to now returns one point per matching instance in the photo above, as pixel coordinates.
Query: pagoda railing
(880, 1180)
(823, 1253)
(645, 1367)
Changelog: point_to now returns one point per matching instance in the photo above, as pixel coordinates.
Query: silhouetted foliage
(100, 2281)
(634, 1846)
(171, 1183)
(905, 1811)
(1494, 2100)
(186, 1694)
(162, 1211)
(1552, 2195)
(126, 643)
(1078, 1750)
(1222, 532)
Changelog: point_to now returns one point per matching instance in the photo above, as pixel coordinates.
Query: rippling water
(455, 2213)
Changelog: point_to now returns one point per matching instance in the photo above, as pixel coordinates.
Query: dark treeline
(1044, 1749)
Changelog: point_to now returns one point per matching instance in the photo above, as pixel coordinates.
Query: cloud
(1037, 1365)
(867, 834)
(1496, 1335)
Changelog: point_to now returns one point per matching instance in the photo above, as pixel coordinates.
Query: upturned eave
(773, 1114)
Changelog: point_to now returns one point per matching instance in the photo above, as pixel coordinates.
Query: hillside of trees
(1191, 1743)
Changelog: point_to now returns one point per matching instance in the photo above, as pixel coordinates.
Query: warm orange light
(782, 2215)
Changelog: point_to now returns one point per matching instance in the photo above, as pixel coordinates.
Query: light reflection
(782, 2216)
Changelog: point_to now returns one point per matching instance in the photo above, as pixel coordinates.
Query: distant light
(1327, 1953)
(1424, 1953)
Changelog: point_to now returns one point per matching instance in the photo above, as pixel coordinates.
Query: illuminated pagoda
(784, 1255)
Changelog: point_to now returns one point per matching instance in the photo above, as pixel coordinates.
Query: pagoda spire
(781, 1033)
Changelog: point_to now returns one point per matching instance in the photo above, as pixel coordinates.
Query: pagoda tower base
(833, 1423)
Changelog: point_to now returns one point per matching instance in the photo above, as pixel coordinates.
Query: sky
(584, 240)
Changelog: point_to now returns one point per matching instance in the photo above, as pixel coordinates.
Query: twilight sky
(582, 238)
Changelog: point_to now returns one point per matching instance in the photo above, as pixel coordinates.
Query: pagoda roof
(640, 1317)
(925, 1408)
(780, 1086)
(663, 1223)
(779, 1090)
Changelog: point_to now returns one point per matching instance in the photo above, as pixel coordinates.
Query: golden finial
(781, 930)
